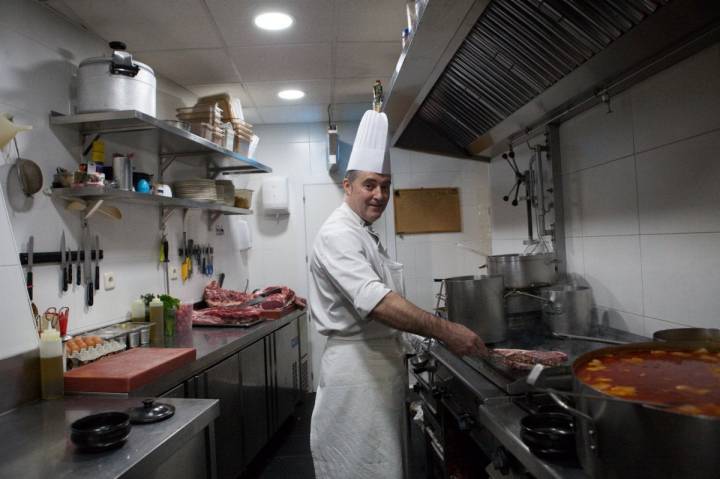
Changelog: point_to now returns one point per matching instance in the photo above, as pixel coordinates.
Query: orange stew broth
(688, 381)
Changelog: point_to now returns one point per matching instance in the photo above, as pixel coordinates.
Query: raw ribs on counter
(227, 306)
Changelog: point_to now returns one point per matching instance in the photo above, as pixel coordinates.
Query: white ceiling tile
(252, 116)
(283, 62)
(356, 90)
(370, 20)
(366, 59)
(149, 24)
(236, 90)
(317, 92)
(350, 111)
(293, 113)
(189, 67)
(313, 21)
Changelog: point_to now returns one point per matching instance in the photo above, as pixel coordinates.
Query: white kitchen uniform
(356, 423)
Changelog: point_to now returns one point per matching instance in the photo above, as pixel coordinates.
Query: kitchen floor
(288, 453)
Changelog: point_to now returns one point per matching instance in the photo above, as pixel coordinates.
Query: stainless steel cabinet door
(287, 372)
(176, 392)
(254, 399)
(223, 383)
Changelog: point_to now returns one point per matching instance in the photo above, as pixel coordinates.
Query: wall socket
(109, 280)
(219, 229)
(173, 272)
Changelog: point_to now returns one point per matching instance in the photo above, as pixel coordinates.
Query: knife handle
(28, 282)
(97, 277)
(69, 274)
(65, 279)
(90, 293)
(77, 272)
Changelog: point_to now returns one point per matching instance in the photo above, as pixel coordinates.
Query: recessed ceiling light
(291, 94)
(273, 21)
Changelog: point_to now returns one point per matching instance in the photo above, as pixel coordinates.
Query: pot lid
(150, 412)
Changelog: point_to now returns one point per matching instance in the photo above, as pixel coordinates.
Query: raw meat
(214, 295)
(526, 359)
(225, 315)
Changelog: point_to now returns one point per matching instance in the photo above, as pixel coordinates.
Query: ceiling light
(273, 21)
(291, 94)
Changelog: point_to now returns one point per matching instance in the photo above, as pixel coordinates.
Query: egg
(74, 348)
(97, 340)
(80, 343)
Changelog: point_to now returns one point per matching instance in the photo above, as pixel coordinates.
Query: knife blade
(63, 262)
(89, 288)
(97, 262)
(29, 276)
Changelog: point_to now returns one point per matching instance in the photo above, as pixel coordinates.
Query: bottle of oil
(156, 319)
(51, 364)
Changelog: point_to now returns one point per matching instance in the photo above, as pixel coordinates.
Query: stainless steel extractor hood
(481, 73)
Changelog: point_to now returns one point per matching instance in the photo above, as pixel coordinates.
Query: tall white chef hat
(369, 150)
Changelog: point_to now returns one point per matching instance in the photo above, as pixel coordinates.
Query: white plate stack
(198, 190)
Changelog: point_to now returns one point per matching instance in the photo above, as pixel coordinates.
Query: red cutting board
(128, 370)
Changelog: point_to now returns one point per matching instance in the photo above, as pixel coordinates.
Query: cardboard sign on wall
(427, 210)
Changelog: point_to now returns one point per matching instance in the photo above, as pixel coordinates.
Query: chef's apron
(356, 429)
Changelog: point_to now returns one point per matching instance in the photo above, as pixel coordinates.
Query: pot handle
(121, 62)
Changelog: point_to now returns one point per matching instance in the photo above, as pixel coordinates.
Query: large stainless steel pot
(688, 334)
(115, 83)
(568, 309)
(477, 302)
(523, 271)
(626, 439)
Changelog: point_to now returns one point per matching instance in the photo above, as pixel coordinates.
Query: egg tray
(88, 355)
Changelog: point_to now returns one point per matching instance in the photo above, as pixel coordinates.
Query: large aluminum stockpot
(477, 302)
(688, 334)
(115, 83)
(523, 271)
(568, 309)
(627, 439)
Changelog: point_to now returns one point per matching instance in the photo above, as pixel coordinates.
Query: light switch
(109, 280)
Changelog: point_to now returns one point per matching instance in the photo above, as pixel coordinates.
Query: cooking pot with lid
(115, 83)
(568, 309)
(477, 303)
(523, 271)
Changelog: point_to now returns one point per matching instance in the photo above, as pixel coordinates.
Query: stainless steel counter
(213, 344)
(37, 439)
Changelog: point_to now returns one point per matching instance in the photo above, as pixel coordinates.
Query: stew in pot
(688, 381)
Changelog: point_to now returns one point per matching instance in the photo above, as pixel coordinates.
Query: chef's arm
(399, 313)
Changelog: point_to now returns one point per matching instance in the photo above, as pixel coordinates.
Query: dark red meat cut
(526, 359)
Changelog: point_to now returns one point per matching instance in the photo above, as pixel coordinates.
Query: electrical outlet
(219, 229)
(109, 281)
(173, 272)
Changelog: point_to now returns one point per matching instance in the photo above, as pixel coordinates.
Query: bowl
(101, 431)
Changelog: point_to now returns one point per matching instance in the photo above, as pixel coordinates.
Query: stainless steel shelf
(173, 141)
(106, 194)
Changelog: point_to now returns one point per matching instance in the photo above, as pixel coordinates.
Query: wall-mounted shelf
(173, 142)
(94, 194)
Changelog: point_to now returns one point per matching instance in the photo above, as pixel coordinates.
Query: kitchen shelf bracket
(212, 218)
(165, 162)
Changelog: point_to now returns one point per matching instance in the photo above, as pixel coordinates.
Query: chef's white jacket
(351, 273)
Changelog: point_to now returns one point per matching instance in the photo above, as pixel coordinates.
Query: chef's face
(367, 194)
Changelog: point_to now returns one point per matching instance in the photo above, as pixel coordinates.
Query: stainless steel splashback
(524, 61)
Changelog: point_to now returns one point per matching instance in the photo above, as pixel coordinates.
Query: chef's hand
(463, 341)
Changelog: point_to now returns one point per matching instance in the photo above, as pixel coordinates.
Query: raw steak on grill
(526, 359)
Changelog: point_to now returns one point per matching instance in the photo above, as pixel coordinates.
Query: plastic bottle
(137, 310)
(156, 318)
(52, 379)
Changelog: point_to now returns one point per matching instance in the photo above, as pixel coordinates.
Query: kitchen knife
(97, 262)
(89, 288)
(261, 297)
(29, 276)
(77, 271)
(63, 262)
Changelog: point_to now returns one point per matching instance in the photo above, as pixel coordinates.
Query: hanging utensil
(8, 129)
(211, 267)
(63, 262)
(63, 318)
(29, 174)
(89, 287)
(77, 271)
(183, 266)
(29, 275)
(97, 262)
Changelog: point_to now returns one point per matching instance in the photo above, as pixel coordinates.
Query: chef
(356, 300)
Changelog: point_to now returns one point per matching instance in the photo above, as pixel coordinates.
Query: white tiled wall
(641, 199)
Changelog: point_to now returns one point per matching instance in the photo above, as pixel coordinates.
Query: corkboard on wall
(427, 210)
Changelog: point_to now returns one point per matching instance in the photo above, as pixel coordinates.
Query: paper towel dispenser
(276, 195)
